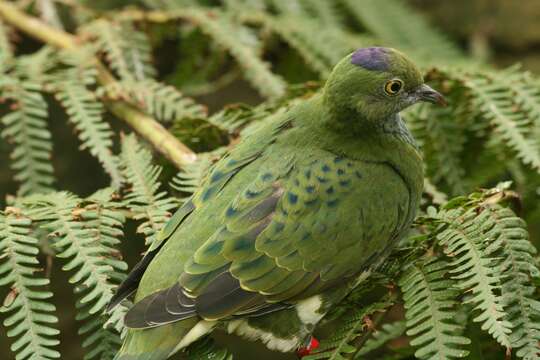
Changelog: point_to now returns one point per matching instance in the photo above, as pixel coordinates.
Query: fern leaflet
(407, 30)
(351, 327)
(86, 113)
(497, 104)
(441, 140)
(517, 268)
(380, 337)
(474, 270)
(430, 309)
(164, 102)
(85, 236)
(242, 46)
(30, 316)
(126, 49)
(26, 128)
(144, 197)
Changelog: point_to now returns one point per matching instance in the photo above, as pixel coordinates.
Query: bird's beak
(428, 94)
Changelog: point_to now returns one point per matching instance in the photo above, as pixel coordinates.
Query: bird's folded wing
(284, 237)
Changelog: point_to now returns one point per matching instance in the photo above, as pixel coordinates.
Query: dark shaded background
(502, 32)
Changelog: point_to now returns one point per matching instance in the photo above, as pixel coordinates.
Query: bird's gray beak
(428, 94)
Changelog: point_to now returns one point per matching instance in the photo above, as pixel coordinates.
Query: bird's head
(376, 83)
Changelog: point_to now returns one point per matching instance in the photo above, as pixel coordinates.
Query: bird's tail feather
(156, 343)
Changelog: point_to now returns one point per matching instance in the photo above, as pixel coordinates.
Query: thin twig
(151, 130)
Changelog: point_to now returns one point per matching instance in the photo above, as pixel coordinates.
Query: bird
(290, 220)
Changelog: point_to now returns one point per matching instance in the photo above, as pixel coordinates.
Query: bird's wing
(295, 230)
(216, 179)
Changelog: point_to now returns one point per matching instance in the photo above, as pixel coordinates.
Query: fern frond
(162, 101)
(86, 237)
(475, 271)
(292, 7)
(191, 176)
(525, 89)
(325, 12)
(386, 333)
(144, 198)
(37, 66)
(320, 47)
(517, 269)
(407, 30)
(126, 49)
(31, 315)
(78, 244)
(441, 140)
(241, 45)
(102, 333)
(86, 113)
(497, 103)
(26, 128)
(430, 310)
(100, 342)
(351, 327)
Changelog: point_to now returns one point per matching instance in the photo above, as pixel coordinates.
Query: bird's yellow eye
(393, 87)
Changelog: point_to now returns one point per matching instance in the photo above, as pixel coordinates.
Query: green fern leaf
(100, 342)
(102, 336)
(407, 30)
(86, 113)
(126, 49)
(517, 268)
(26, 128)
(525, 89)
(77, 243)
(192, 175)
(144, 198)
(475, 271)
(162, 101)
(441, 140)
(352, 325)
(380, 337)
(241, 44)
(321, 47)
(292, 7)
(430, 309)
(36, 67)
(497, 103)
(87, 237)
(325, 11)
(31, 315)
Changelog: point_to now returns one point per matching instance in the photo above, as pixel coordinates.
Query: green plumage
(288, 220)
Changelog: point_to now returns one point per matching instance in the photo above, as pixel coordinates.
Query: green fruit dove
(290, 220)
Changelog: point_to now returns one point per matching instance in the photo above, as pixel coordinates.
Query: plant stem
(151, 130)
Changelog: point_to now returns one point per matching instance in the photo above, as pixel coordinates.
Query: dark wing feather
(225, 296)
(162, 307)
(131, 283)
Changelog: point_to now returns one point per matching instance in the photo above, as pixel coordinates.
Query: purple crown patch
(372, 58)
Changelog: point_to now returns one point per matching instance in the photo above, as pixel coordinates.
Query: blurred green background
(501, 32)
